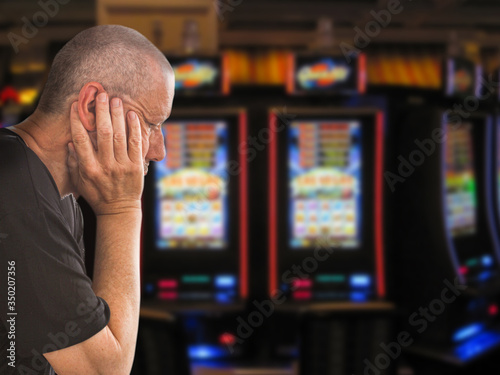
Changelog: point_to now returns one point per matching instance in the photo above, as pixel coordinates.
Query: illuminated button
(360, 281)
(196, 279)
(467, 331)
(206, 351)
(227, 339)
(167, 284)
(471, 262)
(225, 281)
(463, 270)
(477, 345)
(485, 275)
(302, 284)
(302, 295)
(358, 297)
(222, 297)
(487, 260)
(493, 309)
(167, 295)
(330, 278)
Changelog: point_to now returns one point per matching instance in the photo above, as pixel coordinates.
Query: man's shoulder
(19, 175)
(14, 165)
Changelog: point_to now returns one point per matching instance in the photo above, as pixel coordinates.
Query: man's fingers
(119, 132)
(81, 140)
(104, 128)
(134, 138)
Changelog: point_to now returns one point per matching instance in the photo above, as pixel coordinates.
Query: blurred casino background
(330, 199)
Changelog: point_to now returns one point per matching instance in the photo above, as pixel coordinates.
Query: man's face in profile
(153, 109)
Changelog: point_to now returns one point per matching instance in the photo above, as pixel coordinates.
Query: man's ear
(86, 104)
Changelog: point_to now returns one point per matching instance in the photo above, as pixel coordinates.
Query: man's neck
(48, 139)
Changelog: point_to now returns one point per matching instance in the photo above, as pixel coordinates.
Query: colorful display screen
(196, 75)
(325, 74)
(325, 183)
(460, 181)
(192, 187)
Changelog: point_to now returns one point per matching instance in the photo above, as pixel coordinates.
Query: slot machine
(494, 161)
(326, 234)
(448, 260)
(195, 221)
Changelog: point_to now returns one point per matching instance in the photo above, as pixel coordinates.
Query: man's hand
(111, 178)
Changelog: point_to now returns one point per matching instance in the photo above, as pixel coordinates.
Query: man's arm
(111, 180)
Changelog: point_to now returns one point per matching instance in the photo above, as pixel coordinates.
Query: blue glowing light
(477, 345)
(206, 352)
(487, 260)
(467, 331)
(360, 281)
(358, 297)
(225, 281)
(223, 298)
(485, 275)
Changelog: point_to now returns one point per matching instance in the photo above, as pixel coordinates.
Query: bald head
(122, 60)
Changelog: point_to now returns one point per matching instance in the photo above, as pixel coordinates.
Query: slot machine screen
(460, 183)
(191, 186)
(325, 183)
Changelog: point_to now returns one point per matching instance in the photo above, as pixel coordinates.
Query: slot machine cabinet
(448, 243)
(195, 238)
(326, 234)
(195, 229)
(494, 161)
(439, 179)
(325, 172)
(326, 219)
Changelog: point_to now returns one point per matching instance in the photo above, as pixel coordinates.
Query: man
(94, 132)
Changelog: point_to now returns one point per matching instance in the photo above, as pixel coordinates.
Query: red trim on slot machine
(273, 230)
(362, 73)
(290, 76)
(379, 206)
(244, 207)
(225, 74)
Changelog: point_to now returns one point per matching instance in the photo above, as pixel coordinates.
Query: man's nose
(156, 150)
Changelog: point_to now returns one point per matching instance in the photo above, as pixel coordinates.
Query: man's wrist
(119, 208)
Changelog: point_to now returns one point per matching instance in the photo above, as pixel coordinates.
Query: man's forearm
(117, 275)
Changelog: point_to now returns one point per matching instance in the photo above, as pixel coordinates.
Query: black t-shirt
(46, 302)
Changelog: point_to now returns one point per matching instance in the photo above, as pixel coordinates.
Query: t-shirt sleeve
(55, 306)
